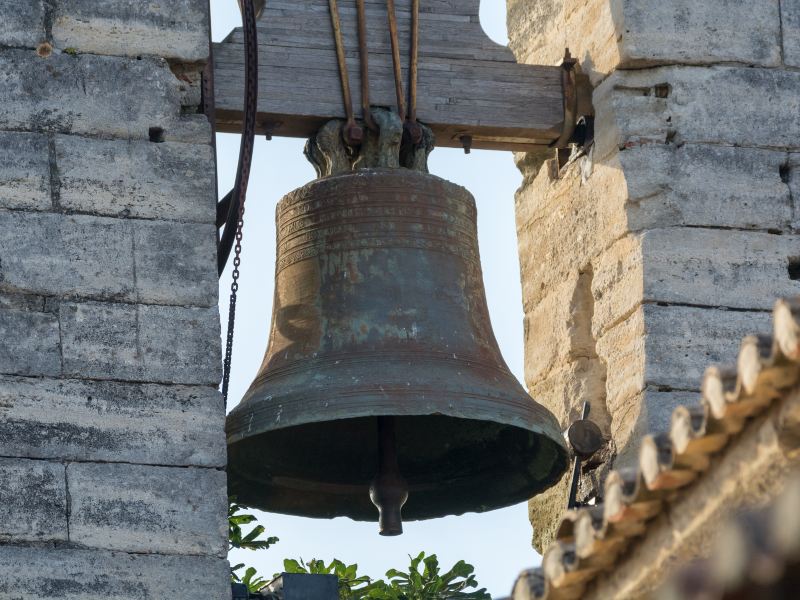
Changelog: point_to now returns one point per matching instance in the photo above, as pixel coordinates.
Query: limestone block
(536, 30)
(30, 343)
(736, 269)
(647, 412)
(704, 185)
(690, 32)
(623, 349)
(111, 422)
(95, 95)
(567, 387)
(724, 105)
(22, 24)
(33, 495)
(683, 341)
(548, 329)
(28, 573)
(66, 255)
(618, 283)
(707, 267)
(176, 263)
(138, 179)
(670, 347)
(24, 170)
(609, 34)
(790, 16)
(138, 508)
(141, 343)
(584, 215)
(176, 29)
(103, 258)
(558, 330)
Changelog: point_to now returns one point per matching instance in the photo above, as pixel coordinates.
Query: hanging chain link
(242, 174)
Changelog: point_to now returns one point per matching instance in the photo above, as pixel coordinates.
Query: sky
(498, 543)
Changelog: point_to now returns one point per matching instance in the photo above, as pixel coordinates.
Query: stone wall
(111, 427)
(650, 256)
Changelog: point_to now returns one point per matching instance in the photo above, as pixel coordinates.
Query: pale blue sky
(497, 543)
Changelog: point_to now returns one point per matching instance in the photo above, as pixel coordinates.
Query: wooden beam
(468, 85)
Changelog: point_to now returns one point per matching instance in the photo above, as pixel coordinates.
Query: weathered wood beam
(468, 85)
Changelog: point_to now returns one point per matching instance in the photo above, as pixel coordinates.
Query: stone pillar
(649, 258)
(111, 425)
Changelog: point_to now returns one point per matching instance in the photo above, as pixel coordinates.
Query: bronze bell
(380, 325)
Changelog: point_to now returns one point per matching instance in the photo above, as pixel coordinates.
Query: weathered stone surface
(526, 21)
(111, 422)
(790, 16)
(609, 34)
(24, 170)
(35, 573)
(669, 348)
(549, 329)
(66, 255)
(737, 269)
(703, 185)
(148, 509)
(618, 283)
(584, 211)
(564, 390)
(699, 107)
(22, 302)
(30, 343)
(22, 25)
(141, 343)
(706, 267)
(33, 495)
(176, 29)
(684, 31)
(95, 95)
(176, 263)
(648, 412)
(540, 31)
(138, 179)
(84, 256)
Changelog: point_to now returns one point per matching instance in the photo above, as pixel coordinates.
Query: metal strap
(363, 52)
(353, 134)
(413, 62)
(398, 69)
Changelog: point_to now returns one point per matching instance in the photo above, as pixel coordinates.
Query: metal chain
(242, 174)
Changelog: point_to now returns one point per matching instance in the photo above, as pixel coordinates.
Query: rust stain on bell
(380, 311)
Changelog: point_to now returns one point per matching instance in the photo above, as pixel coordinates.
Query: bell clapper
(388, 491)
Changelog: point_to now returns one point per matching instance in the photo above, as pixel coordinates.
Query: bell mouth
(452, 466)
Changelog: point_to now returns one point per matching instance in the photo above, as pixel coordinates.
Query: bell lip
(521, 411)
(413, 512)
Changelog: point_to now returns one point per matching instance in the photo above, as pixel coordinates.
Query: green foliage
(423, 581)
(251, 540)
(351, 585)
(245, 541)
(429, 583)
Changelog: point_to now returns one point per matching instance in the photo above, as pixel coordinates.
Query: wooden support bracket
(469, 86)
